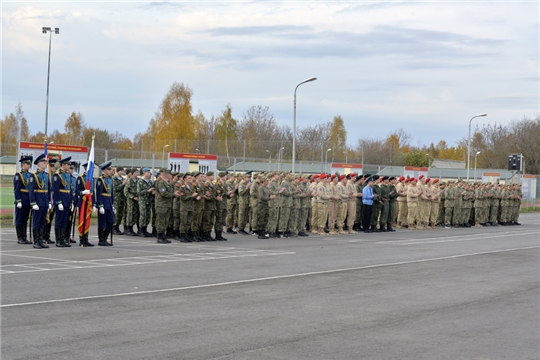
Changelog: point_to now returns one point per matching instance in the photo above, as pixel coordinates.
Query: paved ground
(436, 294)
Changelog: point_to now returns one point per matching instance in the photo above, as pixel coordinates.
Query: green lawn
(6, 197)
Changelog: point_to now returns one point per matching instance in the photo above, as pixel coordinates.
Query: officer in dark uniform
(61, 185)
(50, 214)
(71, 217)
(80, 193)
(39, 194)
(22, 199)
(105, 203)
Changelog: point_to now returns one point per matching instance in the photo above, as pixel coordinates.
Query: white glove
(113, 209)
(94, 210)
(19, 205)
(71, 207)
(50, 206)
(86, 192)
(60, 207)
(102, 210)
(35, 207)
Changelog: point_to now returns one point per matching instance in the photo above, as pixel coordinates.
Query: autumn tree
(337, 138)
(226, 128)
(74, 129)
(174, 119)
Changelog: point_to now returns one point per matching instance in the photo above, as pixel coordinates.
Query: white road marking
(444, 240)
(261, 279)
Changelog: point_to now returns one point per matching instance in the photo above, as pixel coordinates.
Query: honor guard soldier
(39, 193)
(22, 199)
(61, 185)
(105, 203)
(50, 215)
(81, 191)
(71, 217)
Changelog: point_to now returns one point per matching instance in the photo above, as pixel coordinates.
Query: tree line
(257, 135)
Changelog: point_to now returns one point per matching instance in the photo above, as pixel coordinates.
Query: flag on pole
(86, 201)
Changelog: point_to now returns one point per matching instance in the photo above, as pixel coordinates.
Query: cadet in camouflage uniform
(174, 222)
(188, 194)
(263, 196)
(450, 198)
(393, 195)
(273, 206)
(209, 207)
(285, 205)
(377, 203)
(495, 209)
(164, 195)
(478, 205)
(468, 198)
(119, 200)
(221, 205)
(385, 196)
(243, 204)
(440, 218)
(253, 196)
(305, 205)
(198, 204)
(232, 204)
(314, 221)
(145, 187)
(292, 226)
(132, 212)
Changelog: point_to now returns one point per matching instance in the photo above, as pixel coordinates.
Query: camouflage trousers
(144, 213)
(243, 214)
(221, 215)
(385, 212)
(186, 217)
(434, 213)
(175, 218)
(284, 215)
(132, 212)
(162, 218)
(263, 212)
(448, 212)
(196, 220)
(375, 214)
(273, 217)
(208, 220)
(232, 218)
(302, 219)
(359, 213)
(292, 226)
(254, 212)
(119, 212)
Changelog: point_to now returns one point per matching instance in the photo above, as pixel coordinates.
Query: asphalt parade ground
(431, 294)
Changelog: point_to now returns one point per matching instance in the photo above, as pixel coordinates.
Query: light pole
(294, 122)
(428, 161)
(279, 156)
(478, 152)
(163, 156)
(269, 159)
(326, 160)
(56, 31)
(469, 145)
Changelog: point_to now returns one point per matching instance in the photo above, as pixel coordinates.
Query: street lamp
(163, 156)
(130, 148)
(475, 164)
(469, 145)
(279, 156)
(326, 159)
(56, 31)
(294, 122)
(269, 159)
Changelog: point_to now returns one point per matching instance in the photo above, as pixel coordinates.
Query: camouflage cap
(165, 171)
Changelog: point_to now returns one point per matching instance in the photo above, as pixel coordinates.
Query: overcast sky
(426, 67)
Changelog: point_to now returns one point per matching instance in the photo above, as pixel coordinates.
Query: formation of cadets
(189, 207)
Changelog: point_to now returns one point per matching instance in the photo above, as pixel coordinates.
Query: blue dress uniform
(61, 184)
(50, 215)
(79, 188)
(39, 193)
(71, 218)
(104, 203)
(22, 200)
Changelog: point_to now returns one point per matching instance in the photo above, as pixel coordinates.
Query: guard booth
(184, 162)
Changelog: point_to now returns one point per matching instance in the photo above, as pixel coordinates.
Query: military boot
(20, 236)
(106, 233)
(116, 230)
(37, 240)
(351, 230)
(161, 239)
(389, 227)
(24, 232)
(64, 234)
